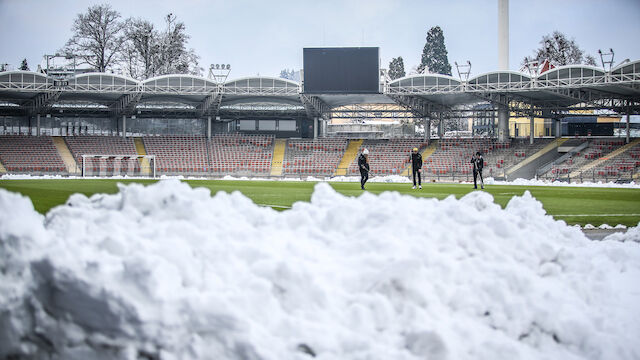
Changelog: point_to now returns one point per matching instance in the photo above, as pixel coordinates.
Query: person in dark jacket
(478, 164)
(416, 167)
(363, 166)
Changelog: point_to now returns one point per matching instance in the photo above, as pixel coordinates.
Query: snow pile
(170, 272)
(633, 234)
(534, 182)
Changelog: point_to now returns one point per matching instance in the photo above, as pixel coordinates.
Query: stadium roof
(557, 88)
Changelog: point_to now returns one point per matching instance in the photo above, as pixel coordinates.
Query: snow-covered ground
(170, 272)
(376, 179)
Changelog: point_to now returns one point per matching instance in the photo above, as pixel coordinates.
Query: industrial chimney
(503, 34)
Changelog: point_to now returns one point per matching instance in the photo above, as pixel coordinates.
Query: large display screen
(352, 70)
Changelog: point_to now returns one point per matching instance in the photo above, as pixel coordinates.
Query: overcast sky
(263, 37)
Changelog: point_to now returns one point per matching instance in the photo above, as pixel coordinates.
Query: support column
(124, 126)
(440, 126)
(38, 125)
(628, 120)
(427, 131)
(315, 127)
(531, 126)
(503, 124)
(209, 127)
(558, 126)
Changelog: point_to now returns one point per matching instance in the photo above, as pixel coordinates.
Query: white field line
(275, 206)
(585, 215)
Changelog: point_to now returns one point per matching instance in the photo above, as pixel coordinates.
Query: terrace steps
(65, 154)
(348, 157)
(611, 155)
(278, 157)
(550, 147)
(426, 152)
(145, 167)
(2, 169)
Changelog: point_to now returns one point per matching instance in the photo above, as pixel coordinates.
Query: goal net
(119, 165)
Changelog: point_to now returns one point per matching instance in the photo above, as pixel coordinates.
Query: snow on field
(375, 179)
(171, 272)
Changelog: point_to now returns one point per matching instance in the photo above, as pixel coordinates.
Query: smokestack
(503, 34)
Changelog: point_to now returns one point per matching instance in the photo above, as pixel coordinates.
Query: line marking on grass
(276, 206)
(585, 215)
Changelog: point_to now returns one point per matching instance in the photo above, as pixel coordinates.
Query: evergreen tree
(434, 54)
(286, 74)
(396, 68)
(24, 66)
(559, 50)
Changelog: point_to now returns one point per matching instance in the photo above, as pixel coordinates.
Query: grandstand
(239, 154)
(29, 154)
(197, 126)
(387, 157)
(179, 155)
(101, 145)
(603, 159)
(598, 159)
(318, 157)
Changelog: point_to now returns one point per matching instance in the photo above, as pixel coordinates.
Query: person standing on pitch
(478, 164)
(416, 167)
(363, 165)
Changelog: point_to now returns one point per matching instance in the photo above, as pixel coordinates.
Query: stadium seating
(304, 157)
(175, 155)
(596, 149)
(239, 154)
(30, 154)
(621, 167)
(387, 157)
(102, 145)
(452, 158)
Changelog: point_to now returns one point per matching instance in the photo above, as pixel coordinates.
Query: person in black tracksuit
(363, 166)
(416, 167)
(478, 164)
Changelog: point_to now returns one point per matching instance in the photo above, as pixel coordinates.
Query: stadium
(184, 216)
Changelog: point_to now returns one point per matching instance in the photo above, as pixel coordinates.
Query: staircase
(278, 157)
(428, 151)
(611, 155)
(65, 154)
(145, 167)
(522, 169)
(349, 155)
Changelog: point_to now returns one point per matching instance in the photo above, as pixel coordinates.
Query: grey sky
(264, 37)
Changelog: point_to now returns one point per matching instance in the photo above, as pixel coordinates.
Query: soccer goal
(118, 165)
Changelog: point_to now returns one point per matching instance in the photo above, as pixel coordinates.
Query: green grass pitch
(575, 205)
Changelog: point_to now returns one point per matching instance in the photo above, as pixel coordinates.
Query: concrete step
(278, 157)
(347, 158)
(68, 159)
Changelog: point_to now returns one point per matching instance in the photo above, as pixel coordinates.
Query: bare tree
(98, 37)
(560, 50)
(140, 52)
(174, 58)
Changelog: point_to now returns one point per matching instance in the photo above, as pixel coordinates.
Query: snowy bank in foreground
(169, 272)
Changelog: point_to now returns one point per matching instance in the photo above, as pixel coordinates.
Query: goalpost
(118, 165)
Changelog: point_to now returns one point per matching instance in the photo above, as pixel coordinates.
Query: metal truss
(314, 106)
(419, 106)
(43, 102)
(371, 111)
(210, 105)
(126, 104)
(261, 111)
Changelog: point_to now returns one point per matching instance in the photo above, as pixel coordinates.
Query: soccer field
(575, 205)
